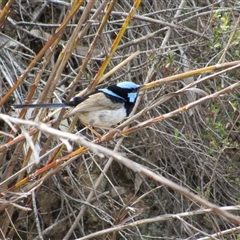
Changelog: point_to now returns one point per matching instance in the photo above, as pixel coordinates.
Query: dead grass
(173, 173)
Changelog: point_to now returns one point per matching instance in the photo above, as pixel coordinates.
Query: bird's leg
(111, 131)
(92, 130)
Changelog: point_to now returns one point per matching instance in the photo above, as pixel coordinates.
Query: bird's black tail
(42, 105)
(72, 103)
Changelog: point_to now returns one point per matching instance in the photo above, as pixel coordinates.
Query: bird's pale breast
(103, 118)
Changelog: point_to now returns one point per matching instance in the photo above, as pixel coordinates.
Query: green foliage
(177, 136)
(221, 29)
(219, 136)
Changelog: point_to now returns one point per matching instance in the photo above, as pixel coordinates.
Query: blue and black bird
(103, 107)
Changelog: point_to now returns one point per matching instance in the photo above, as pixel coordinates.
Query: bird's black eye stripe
(114, 99)
(112, 94)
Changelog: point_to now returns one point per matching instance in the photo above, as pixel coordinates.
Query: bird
(103, 108)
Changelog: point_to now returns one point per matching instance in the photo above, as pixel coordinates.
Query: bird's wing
(94, 102)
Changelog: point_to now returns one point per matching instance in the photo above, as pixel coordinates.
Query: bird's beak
(141, 87)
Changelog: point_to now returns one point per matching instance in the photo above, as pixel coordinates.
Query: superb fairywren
(103, 107)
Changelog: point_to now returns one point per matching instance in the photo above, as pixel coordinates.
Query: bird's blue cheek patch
(132, 97)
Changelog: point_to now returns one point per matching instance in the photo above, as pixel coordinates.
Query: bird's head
(126, 91)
